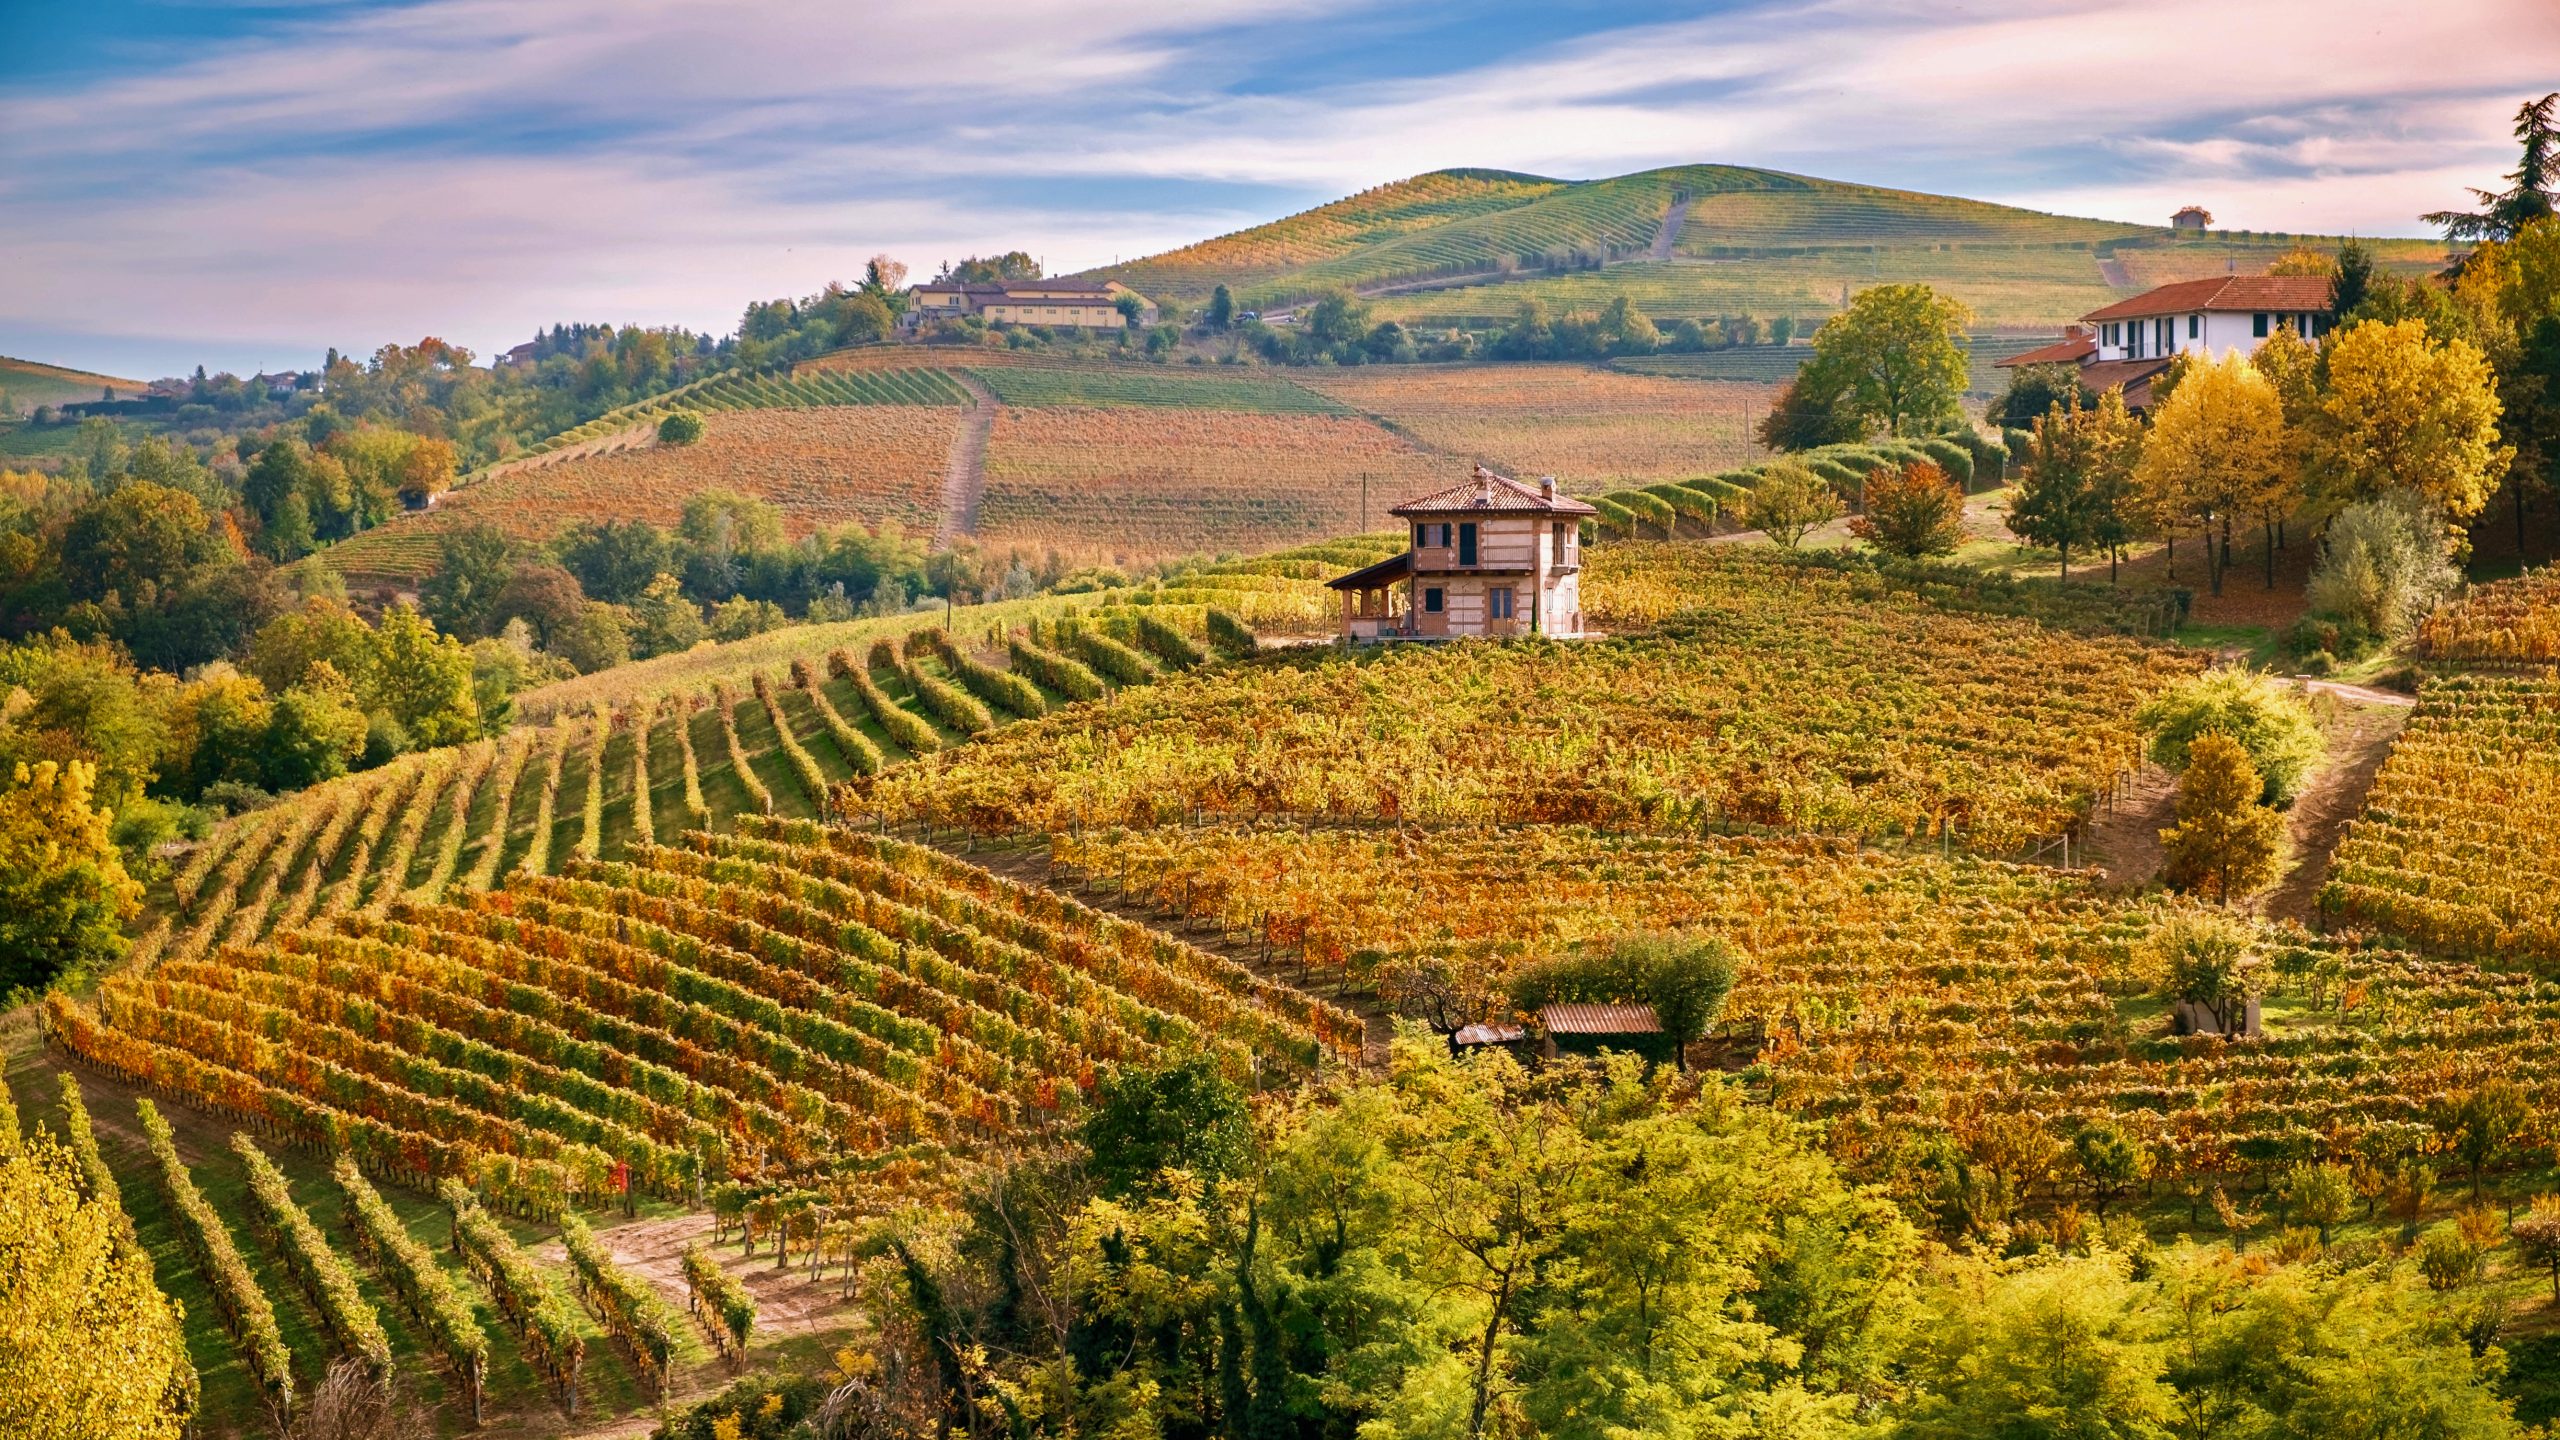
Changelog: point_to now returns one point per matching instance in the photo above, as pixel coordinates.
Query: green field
(1037, 388)
(30, 383)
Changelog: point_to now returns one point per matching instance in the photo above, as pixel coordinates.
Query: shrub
(2225, 843)
(1230, 636)
(2381, 569)
(1951, 457)
(1788, 501)
(2265, 718)
(1912, 511)
(680, 428)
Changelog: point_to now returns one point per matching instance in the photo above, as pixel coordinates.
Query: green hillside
(29, 383)
(1466, 247)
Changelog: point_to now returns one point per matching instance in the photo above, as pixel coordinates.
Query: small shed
(1579, 1029)
(1471, 1039)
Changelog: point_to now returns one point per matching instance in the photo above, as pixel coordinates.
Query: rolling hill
(29, 383)
(1465, 247)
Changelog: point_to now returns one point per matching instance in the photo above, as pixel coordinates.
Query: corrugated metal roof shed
(1600, 1020)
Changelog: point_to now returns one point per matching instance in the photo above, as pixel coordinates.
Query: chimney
(1547, 488)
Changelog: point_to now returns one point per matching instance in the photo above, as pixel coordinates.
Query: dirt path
(1031, 867)
(2123, 839)
(1669, 235)
(2362, 726)
(964, 475)
(2116, 275)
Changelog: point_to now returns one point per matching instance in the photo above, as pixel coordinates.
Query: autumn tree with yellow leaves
(64, 893)
(2405, 413)
(2220, 447)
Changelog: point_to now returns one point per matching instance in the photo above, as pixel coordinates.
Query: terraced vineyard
(1154, 388)
(1787, 701)
(1888, 996)
(865, 464)
(1141, 483)
(1590, 428)
(2512, 622)
(2458, 849)
(1777, 364)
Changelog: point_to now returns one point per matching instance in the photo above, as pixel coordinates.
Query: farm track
(1669, 235)
(1031, 867)
(964, 477)
(2359, 741)
(2112, 270)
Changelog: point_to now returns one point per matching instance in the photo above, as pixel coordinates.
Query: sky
(242, 185)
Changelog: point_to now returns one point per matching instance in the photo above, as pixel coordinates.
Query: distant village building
(1073, 304)
(518, 355)
(1490, 556)
(2130, 342)
(2193, 218)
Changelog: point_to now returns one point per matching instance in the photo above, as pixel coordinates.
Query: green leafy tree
(2062, 1349)
(2037, 390)
(315, 730)
(2320, 1196)
(1222, 309)
(2075, 489)
(1811, 411)
(1912, 511)
(472, 568)
(2478, 1123)
(680, 427)
(2110, 1161)
(1787, 501)
(2225, 843)
(423, 680)
(1179, 1115)
(2537, 1237)
(2535, 191)
(2264, 715)
(1896, 356)
(64, 893)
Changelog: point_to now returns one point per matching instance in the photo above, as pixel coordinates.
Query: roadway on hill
(964, 476)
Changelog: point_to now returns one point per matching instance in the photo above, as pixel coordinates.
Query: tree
(2078, 472)
(617, 560)
(543, 595)
(2205, 958)
(2259, 712)
(64, 893)
(472, 568)
(2056, 1349)
(2110, 1160)
(2225, 843)
(1787, 501)
(2537, 1238)
(1912, 511)
(1810, 412)
(315, 729)
(2477, 1124)
(681, 427)
(2034, 391)
(1175, 1115)
(2381, 569)
(1897, 356)
(89, 1347)
(141, 539)
(2405, 413)
(2355, 277)
(2536, 191)
(1222, 309)
(423, 680)
(2218, 447)
(2320, 1196)
(1685, 978)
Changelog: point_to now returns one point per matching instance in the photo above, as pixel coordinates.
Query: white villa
(2131, 341)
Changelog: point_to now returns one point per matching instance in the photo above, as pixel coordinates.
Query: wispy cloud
(349, 174)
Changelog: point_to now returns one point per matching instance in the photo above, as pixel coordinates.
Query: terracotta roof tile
(2224, 292)
(2070, 349)
(1600, 1020)
(1488, 491)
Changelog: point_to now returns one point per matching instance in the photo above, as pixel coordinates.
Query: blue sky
(242, 185)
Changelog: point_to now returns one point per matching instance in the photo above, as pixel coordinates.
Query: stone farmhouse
(1072, 304)
(1489, 556)
(2131, 341)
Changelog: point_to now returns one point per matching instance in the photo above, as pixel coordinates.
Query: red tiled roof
(1600, 1020)
(1488, 491)
(2134, 375)
(2075, 346)
(2223, 292)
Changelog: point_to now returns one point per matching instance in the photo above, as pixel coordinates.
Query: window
(1560, 541)
(2195, 326)
(1467, 543)
(1421, 535)
(1434, 600)
(1498, 601)
(2258, 325)
(1444, 534)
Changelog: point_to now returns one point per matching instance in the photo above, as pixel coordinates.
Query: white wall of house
(2216, 333)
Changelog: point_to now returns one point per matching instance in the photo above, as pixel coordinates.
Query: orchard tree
(1896, 357)
(2225, 843)
(1912, 511)
(2477, 1124)
(64, 893)
(2404, 413)
(1787, 501)
(2074, 487)
(2219, 447)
